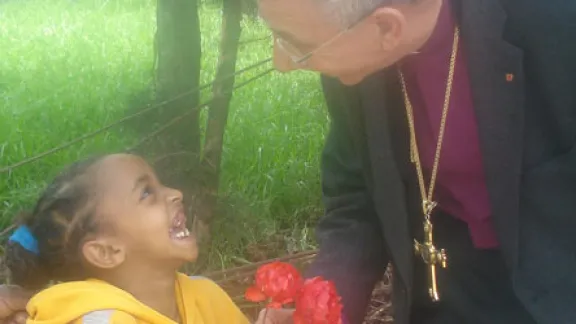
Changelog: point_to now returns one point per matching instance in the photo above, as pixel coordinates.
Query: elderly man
(455, 118)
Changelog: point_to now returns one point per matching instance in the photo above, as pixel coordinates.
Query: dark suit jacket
(527, 131)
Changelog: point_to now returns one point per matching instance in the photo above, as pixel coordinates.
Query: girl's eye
(146, 192)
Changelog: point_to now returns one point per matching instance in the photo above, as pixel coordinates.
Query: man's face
(301, 27)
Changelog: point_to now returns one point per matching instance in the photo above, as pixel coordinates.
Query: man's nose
(282, 62)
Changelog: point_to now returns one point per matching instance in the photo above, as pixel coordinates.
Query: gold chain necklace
(426, 250)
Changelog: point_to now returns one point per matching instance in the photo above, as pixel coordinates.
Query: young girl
(114, 237)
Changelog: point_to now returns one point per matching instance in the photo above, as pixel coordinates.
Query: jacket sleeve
(352, 251)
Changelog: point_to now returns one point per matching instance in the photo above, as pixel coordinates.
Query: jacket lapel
(385, 179)
(497, 84)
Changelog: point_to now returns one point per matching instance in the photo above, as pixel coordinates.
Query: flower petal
(254, 294)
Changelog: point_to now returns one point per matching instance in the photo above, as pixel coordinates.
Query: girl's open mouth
(178, 231)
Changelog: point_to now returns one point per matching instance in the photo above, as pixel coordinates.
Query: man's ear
(391, 23)
(104, 253)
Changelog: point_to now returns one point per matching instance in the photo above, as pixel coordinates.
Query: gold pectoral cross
(428, 252)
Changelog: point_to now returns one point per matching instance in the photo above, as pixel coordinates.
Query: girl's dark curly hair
(59, 222)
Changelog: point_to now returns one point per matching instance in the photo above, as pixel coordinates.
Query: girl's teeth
(182, 234)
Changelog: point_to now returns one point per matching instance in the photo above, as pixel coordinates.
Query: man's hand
(275, 316)
(13, 302)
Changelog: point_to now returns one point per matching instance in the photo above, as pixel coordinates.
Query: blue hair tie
(24, 237)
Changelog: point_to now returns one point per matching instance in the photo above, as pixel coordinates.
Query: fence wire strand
(132, 116)
(255, 40)
(177, 119)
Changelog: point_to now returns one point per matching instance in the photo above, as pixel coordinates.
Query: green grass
(70, 67)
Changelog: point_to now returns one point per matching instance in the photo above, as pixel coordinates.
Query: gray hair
(348, 12)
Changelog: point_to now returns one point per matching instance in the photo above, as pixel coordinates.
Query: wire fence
(143, 111)
(177, 119)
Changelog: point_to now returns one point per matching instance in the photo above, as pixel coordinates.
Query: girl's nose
(175, 195)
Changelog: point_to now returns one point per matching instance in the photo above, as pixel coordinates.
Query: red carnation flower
(318, 303)
(278, 282)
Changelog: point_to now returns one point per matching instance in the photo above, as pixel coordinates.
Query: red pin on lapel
(509, 77)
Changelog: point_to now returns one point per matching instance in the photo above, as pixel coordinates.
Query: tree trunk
(218, 111)
(178, 63)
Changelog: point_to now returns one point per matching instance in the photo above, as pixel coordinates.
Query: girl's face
(142, 218)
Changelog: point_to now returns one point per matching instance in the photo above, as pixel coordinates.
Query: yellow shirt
(200, 301)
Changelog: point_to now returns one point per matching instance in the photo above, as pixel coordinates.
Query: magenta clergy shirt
(460, 186)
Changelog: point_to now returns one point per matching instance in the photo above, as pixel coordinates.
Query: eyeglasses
(299, 57)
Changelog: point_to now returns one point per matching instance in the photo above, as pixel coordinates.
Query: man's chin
(351, 80)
